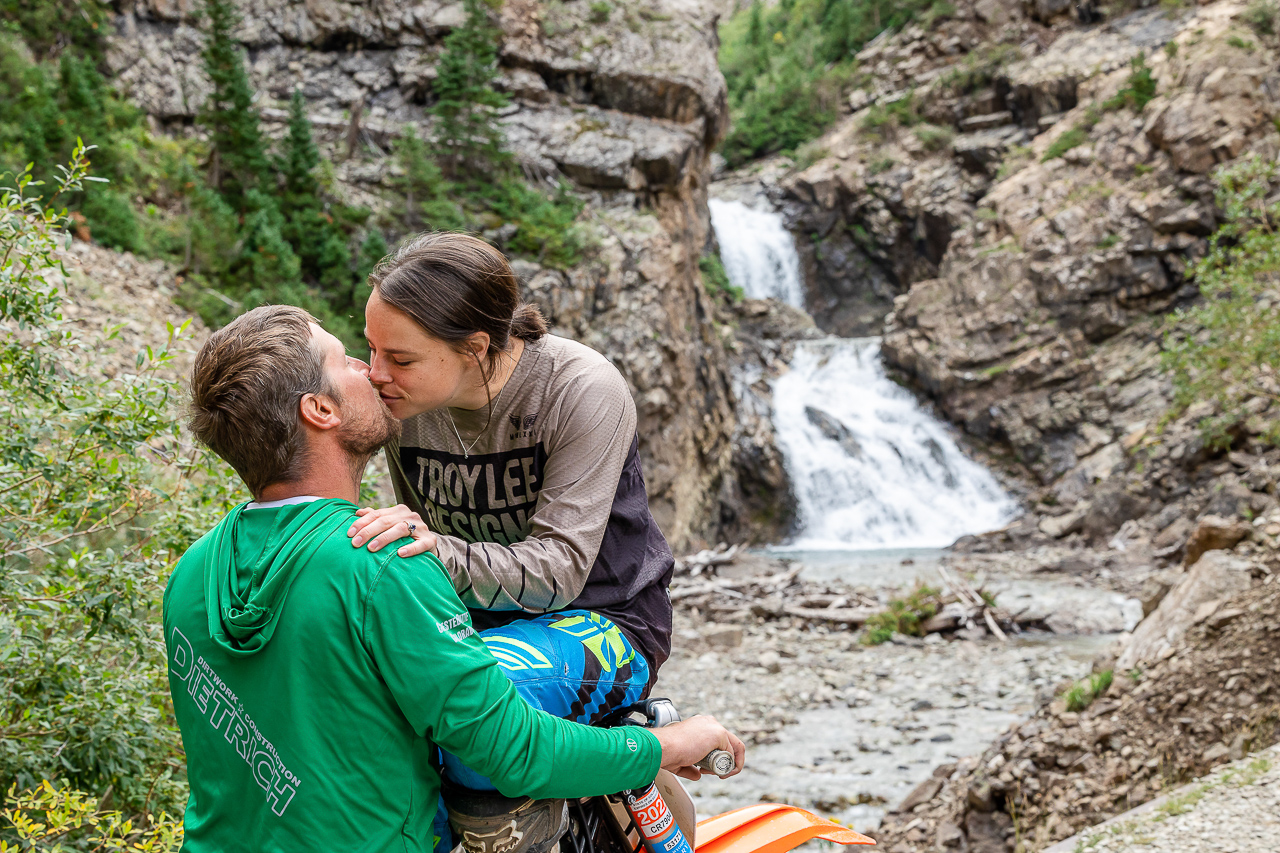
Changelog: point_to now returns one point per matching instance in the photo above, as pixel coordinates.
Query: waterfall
(765, 264)
(871, 468)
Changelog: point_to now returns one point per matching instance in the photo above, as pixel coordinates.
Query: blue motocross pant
(574, 664)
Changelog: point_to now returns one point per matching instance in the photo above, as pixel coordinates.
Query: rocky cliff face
(625, 105)
(1030, 292)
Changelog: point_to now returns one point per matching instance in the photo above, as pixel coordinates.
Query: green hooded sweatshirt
(312, 682)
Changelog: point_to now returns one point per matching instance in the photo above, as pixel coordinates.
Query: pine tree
(428, 195)
(372, 250)
(267, 261)
(317, 241)
(301, 157)
(467, 130)
(239, 157)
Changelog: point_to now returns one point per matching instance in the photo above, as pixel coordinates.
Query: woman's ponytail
(527, 323)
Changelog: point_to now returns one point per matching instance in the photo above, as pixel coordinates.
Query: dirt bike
(659, 818)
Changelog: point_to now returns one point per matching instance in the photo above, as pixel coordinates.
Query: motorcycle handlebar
(718, 761)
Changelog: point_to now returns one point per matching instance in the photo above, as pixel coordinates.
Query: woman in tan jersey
(519, 467)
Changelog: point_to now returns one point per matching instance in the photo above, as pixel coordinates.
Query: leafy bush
(904, 615)
(101, 495)
(1226, 350)
(1138, 90)
(787, 65)
(52, 819)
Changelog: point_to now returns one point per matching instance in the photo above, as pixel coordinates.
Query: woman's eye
(398, 363)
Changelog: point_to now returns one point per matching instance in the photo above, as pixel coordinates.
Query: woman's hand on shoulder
(381, 527)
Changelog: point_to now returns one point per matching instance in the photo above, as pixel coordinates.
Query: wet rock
(834, 430)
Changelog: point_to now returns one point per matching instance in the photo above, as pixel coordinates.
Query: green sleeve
(452, 691)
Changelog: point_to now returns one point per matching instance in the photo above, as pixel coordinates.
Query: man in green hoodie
(312, 681)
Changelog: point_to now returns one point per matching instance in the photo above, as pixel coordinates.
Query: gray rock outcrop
(625, 107)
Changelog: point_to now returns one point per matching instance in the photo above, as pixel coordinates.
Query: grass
(881, 165)
(1067, 140)
(1242, 44)
(1260, 16)
(880, 118)
(1082, 693)
(980, 68)
(600, 11)
(935, 137)
(716, 281)
(904, 615)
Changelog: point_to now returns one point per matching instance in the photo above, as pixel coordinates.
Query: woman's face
(413, 371)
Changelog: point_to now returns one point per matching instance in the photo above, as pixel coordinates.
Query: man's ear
(319, 411)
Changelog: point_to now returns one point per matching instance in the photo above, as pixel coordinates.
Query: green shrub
(904, 615)
(1226, 350)
(881, 118)
(1138, 90)
(1065, 142)
(1081, 695)
(1241, 44)
(545, 222)
(934, 137)
(715, 280)
(600, 11)
(787, 65)
(51, 819)
(101, 496)
(1261, 17)
(111, 220)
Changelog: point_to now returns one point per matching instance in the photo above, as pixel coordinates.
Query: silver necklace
(466, 450)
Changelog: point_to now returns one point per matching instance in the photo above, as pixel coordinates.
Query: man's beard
(363, 439)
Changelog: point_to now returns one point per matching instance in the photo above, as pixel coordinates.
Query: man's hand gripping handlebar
(699, 744)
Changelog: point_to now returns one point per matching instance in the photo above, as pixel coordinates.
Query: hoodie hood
(244, 602)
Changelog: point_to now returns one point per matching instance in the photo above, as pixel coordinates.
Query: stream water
(881, 487)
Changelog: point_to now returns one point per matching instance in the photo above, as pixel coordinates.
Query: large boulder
(1215, 577)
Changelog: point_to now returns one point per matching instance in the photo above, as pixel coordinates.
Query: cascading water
(871, 468)
(757, 252)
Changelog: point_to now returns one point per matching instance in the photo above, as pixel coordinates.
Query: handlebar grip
(718, 761)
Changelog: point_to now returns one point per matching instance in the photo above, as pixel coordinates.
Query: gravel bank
(846, 729)
(1235, 809)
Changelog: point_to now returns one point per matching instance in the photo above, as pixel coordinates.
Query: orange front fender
(769, 828)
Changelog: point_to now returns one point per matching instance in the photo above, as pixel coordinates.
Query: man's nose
(361, 365)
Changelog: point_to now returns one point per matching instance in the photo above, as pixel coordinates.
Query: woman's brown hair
(454, 285)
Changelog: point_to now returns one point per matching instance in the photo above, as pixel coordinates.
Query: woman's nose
(377, 373)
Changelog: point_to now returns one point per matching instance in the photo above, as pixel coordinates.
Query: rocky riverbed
(849, 729)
